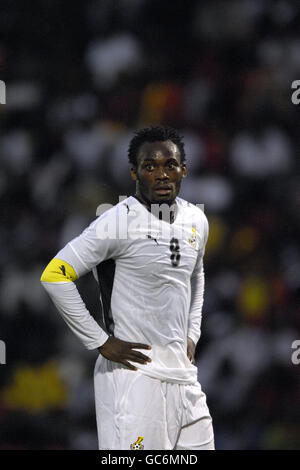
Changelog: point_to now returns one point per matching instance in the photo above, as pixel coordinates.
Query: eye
(171, 165)
(149, 167)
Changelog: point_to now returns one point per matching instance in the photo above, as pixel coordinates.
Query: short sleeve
(98, 242)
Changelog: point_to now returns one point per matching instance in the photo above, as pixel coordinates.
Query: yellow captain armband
(58, 271)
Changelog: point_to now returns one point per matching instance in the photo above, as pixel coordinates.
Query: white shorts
(131, 405)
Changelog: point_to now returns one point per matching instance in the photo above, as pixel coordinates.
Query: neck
(172, 206)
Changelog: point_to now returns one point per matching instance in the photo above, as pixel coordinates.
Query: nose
(161, 174)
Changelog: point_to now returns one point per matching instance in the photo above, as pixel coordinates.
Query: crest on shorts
(137, 445)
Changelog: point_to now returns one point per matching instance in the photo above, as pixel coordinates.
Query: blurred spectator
(79, 82)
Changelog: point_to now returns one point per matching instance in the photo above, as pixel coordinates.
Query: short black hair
(154, 134)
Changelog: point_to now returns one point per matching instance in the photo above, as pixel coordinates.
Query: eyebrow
(150, 159)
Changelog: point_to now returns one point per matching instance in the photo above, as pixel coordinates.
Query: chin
(168, 199)
(163, 200)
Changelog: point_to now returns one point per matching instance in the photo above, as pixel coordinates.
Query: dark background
(81, 77)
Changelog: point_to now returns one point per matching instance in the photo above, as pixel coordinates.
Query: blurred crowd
(81, 78)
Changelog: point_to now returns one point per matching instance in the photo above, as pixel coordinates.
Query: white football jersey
(144, 267)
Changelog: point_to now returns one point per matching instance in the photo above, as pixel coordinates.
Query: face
(159, 172)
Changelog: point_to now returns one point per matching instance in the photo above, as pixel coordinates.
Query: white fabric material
(151, 298)
(74, 312)
(130, 404)
(197, 297)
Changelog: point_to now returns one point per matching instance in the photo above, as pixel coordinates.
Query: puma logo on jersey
(152, 238)
(63, 269)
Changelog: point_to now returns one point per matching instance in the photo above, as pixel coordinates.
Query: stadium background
(80, 79)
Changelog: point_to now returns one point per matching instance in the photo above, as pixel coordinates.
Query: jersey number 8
(175, 250)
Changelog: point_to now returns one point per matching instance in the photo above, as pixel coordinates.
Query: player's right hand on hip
(117, 350)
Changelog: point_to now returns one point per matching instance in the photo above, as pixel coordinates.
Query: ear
(133, 173)
(184, 170)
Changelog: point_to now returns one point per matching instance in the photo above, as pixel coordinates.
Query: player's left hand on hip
(191, 350)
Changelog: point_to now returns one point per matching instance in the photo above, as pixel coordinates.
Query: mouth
(163, 190)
